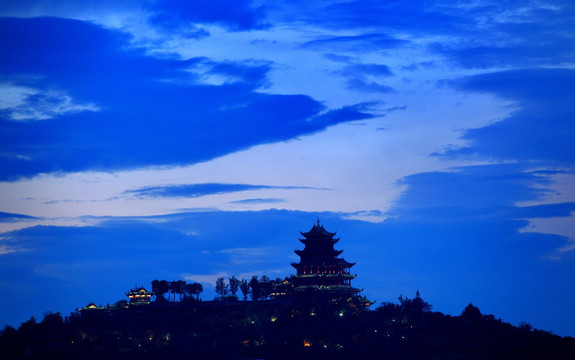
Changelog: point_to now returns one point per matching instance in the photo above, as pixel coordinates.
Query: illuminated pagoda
(139, 296)
(320, 268)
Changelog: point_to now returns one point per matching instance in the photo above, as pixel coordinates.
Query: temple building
(91, 306)
(139, 296)
(320, 268)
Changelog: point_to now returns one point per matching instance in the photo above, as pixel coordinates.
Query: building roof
(325, 275)
(139, 291)
(328, 288)
(318, 231)
(326, 252)
(324, 262)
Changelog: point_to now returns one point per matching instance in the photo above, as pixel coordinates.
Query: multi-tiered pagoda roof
(320, 268)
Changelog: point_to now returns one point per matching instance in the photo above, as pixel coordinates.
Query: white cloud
(563, 226)
(31, 104)
(562, 192)
(8, 250)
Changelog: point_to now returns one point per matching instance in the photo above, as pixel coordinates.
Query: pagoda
(320, 268)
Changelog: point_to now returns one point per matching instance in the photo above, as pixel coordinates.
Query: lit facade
(139, 296)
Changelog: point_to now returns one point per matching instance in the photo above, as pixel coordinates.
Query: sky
(188, 140)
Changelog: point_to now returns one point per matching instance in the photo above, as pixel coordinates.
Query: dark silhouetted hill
(301, 328)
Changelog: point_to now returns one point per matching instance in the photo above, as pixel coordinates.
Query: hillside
(302, 328)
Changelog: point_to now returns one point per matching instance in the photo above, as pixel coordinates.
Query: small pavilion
(139, 296)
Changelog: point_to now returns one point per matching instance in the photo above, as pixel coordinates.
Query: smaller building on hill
(139, 296)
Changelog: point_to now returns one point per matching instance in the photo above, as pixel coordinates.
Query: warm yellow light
(306, 343)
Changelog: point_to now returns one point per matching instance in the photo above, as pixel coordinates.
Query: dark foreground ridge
(314, 314)
(302, 328)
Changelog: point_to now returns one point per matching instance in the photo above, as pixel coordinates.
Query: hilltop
(304, 327)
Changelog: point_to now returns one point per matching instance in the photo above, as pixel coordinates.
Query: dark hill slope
(298, 329)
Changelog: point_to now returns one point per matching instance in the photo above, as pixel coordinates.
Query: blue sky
(173, 139)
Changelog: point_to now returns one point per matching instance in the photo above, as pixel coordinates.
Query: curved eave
(315, 239)
(328, 288)
(330, 252)
(139, 294)
(345, 263)
(318, 231)
(344, 276)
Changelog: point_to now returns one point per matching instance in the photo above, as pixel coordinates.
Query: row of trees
(180, 288)
(257, 288)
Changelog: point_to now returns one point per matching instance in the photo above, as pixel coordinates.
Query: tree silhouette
(198, 288)
(471, 313)
(159, 288)
(256, 288)
(172, 293)
(414, 308)
(155, 288)
(194, 289)
(234, 284)
(245, 288)
(221, 287)
(178, 288)
(266, 287)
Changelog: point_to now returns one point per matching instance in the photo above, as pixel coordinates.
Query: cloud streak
(197, 190)
(9, 217)
(239, 15)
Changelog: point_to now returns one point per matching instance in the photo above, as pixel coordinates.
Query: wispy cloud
(197, 190)
(240, 15)
(368, 86)
(7, 250)
(30, 104)
(366, 77)
(9, 217)
(355, 43)
(240, 256)
(259, 201)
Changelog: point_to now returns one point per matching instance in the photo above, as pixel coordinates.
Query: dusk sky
(174, 139)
